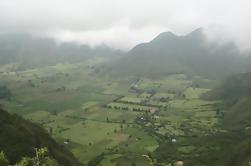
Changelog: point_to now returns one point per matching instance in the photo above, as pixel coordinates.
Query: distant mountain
(18, 137)
(31, 52)
(191, 53)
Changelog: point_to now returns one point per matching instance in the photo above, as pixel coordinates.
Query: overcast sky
(125, 23)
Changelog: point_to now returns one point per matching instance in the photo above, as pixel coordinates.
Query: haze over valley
(117, 87)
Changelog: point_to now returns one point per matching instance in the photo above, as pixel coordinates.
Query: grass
(109, 160)
(186, 149)
(139, 141)
(157, 103)
(132, 159)
(196, 104)
(145, 95)
(71, 99)
(194, 93)
(101, 114)
(164, 84)
(92, 136)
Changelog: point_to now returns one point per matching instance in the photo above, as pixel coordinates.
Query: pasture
(101, 115)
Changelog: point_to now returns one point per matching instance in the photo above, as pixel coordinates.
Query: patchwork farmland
(109, 121)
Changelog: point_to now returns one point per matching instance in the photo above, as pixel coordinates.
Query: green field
(101, 115)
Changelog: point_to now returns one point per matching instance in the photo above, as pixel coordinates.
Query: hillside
(233, 87)
(192, 53)
(235, 92)
(18, 137)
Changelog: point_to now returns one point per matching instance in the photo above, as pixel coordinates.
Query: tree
(217, 111)
(51, 130)
(54, 113)
(96, 160)
(41, 159)
(3, 160)
(4, 92)
(23, 162)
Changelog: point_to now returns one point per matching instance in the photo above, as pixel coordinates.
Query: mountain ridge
(31, 52)
(191, 53)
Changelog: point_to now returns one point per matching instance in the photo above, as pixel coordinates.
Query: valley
(125, 83)
(107, 120)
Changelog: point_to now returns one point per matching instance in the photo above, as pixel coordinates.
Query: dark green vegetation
(19, 137)
(234, 87)
(236, 94)
(160, 103)
(4, 92)
(236, 143)
(40, 158)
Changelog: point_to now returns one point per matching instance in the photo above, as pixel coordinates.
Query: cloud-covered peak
(125, 23)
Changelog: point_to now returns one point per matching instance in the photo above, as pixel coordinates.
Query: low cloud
(125, 23)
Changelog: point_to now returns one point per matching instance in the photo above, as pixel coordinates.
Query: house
(152, 110)
(179, 163)
(174, 140)
(67, 142)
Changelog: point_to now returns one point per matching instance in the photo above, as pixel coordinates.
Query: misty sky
(125, 23)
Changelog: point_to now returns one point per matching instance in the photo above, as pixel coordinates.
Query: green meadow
(105, 119)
